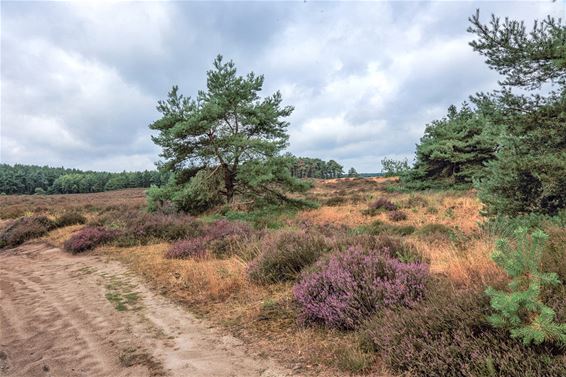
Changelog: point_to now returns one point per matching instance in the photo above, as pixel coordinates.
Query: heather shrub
(335, 201)
(397, 215)
(224, 228)
(390, 245)
(147, 227)
(378, 227)
(88, 238)
(24, 229)
(415, 201)
(379, 205)
(70, 218)
(284, 254)
(448, 335)
(343, 290)
(436, 230)
(191, 248)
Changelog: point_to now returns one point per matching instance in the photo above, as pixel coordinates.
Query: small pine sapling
(521, 310)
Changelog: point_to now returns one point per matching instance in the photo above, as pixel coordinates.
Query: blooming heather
(348, 287)
(88, 238)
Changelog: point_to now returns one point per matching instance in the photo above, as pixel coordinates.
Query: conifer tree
(521, 309)
(529, 173)
(454, 150)
(229, 130)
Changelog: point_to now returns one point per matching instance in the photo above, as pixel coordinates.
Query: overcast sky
(79, 81)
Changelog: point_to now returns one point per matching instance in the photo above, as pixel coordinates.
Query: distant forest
(32, 179)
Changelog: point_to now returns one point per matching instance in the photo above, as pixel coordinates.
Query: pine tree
(521, 309)
(454, 150)
(227, 129)
(529, 172)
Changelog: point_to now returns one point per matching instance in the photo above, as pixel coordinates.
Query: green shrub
(284, 255)
(521, 309)
(448, 335)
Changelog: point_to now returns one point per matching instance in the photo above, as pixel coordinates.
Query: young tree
(227, 129)
(529, 173)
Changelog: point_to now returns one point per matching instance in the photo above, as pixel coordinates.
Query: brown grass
(264, 316)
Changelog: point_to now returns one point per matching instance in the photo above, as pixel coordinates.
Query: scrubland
(301, 285)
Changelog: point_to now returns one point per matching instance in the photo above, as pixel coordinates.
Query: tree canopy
(229, 131)
(511, 142)
(32, 179)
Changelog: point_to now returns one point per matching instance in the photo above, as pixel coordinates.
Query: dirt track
(64, 315)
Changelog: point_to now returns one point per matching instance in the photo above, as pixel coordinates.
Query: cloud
(79, 81)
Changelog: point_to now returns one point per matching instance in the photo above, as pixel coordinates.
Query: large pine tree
(230, 132)
(529, 173)
(454, 150)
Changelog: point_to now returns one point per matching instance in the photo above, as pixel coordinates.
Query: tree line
(305, 167)
(510, 144)
(32, 179)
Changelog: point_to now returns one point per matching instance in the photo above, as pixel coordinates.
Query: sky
(79, 81)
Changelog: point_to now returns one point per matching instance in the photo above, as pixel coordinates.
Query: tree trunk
(229, 185)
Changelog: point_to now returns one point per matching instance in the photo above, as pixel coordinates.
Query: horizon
(74, 95)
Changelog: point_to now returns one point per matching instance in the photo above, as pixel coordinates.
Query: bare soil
(66, 315)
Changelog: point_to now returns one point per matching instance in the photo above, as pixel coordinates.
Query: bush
(448, 335)
(380, 204)
(388, 245)
(397, 215)
(285, 254)
(348, 287)
(224, 228)
(377, 227)
(147, 227)
(70, 218)
(24, 229)
(88, 238)
(436, 230)
(335, 201)
(415, 201)
(191, 248)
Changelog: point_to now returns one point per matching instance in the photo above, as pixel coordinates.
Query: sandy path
(64, 315)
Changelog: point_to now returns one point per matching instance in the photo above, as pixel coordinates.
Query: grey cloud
(80, 81)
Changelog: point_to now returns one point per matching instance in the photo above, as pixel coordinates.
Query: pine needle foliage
(521, 309)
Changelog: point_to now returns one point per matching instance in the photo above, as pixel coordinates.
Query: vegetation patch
(346, 288)
(88, 238)
(285, 254)
(448, 335)
(24, 229)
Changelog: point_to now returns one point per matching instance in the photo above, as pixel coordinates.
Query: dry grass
(220, 291)
(264, 316)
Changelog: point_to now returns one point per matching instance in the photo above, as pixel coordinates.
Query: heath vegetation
(454, 266)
